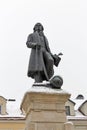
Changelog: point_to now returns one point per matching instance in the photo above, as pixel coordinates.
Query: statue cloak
(40, 62)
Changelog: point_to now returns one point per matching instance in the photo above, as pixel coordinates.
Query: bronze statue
(41, 59)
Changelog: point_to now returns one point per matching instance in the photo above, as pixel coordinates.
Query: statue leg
(38, 77)
(49, 64)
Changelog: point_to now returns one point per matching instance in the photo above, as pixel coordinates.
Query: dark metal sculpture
(56, 82)
(41, 59)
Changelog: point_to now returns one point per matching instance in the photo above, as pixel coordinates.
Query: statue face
(38, 27)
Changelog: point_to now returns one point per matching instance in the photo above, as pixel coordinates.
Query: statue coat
(41, 59)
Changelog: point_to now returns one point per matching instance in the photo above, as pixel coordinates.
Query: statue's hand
(38, 46)
(33, 44)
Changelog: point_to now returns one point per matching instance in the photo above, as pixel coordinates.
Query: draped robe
(41, 59)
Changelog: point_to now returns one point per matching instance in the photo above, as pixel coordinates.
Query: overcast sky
(65, 25)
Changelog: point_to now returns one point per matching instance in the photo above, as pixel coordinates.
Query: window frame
(0, 109)
(67, 108)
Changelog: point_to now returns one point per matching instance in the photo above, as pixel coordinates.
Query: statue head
(38, 27)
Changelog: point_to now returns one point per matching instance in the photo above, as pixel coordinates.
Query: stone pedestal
(45, 109)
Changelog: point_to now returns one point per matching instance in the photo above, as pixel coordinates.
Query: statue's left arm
(47, 46)
(56, 58)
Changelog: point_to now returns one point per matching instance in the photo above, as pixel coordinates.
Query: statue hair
(36, 25)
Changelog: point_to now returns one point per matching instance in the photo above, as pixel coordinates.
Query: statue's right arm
(30, 43)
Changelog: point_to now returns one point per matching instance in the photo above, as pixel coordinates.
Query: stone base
(49, 126)
(45, 109)
(68, 126)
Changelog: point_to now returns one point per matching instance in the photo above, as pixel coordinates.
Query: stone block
(45, 109)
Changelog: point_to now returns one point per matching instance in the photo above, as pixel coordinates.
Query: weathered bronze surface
(41, 59)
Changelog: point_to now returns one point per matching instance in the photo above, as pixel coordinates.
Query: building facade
(12, 118)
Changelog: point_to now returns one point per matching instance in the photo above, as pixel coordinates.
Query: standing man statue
(41, 59)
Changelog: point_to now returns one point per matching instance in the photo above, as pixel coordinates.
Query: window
(0, 109)
(80, 96)
(67, 110)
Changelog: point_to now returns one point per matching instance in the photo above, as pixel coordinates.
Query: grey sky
(65, 23)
